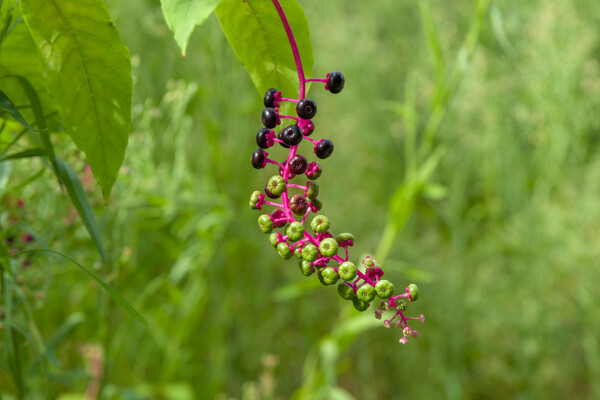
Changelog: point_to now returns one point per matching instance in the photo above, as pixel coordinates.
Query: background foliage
(502, 98)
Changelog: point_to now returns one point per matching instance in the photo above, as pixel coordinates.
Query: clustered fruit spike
(316, 248)
(318, 252)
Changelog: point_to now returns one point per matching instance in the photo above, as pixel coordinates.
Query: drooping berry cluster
(317, 251)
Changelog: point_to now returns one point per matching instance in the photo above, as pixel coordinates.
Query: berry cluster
(318, 251)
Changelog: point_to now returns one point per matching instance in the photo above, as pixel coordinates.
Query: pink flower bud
(403, 340)
(421, 318)
(415, 334)
(407, 331)
(378, 314)
(387, 323)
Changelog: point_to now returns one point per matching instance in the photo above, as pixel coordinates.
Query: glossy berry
(366, 292)
(269, 100)
(321, 278)
(359, 304)
(269, 117)
(254, 198)
(291, 135)
(282, 168)
(344, 237)
(271, 194)
(310, 252)
(317, 204)
(328, 247)
(313, 190)
(298, 204)
(306, 268)
(284, 250)
(324, 148)
(298, 253)
(306, 108)
(384, 289)
(320, 224)
(281, 138)
(261, 138)
(295, 231)
(276, 185)
(330, 276)
(336, 82)
(298, 164)
(265, 223)
(273, 239)
(258, 158)
(345, 291)
(347, 271)
(413, 290)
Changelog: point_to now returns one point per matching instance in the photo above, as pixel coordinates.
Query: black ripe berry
(298, 204)
(298, 164)
(270, 97)
(261, 138)
(324, 148)
(291, 135)
(290, 172)
(269, 117)
(336, 82)
(258, 158)
(281, 138)
(306, 108)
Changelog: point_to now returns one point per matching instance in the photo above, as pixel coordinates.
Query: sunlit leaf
(88, 72)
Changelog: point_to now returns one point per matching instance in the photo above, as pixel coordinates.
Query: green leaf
(79, 199)
(88, 72)
(183, 15)
(112, 292)
(10, 108)
(257, 36)
(24, 154)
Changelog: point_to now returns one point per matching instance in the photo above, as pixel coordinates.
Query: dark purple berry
(291, 135)
(298, 164)
(306, 108)
(269, 117)
(280, 138)
(261, 138)
(324, 148)
(258, 158)
(298, 204)
(269, 100)
(290, 173)
(336, 82)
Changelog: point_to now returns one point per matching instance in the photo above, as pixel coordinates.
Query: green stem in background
(11, 345)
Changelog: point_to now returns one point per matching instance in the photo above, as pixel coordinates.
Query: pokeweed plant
(318, 252)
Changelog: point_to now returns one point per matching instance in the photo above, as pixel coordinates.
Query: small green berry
(401, 305)
(306, 268)
(273, 239)
(330, 276)
(347, 271)
(316, 173)
(284, 250)
(265, 223)
(254, 199)
(413, 290)
(298, 252)
(366, 292)
(328, 247)
(345, 291)
(313, 190)
(276, 185)
(321, 278)
(368, 262)
(317, 203)
(310, 252)
(384, 289)
(295, 231)
(320, 224)
(359, 304)
(344, 237)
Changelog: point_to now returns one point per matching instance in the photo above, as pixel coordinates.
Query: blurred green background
(466, 159)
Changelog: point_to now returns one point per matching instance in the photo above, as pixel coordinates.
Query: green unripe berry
(359, 304)
(345, 291)
(298, 253)
(368, 262)
(344, 237)
(316, 173)
(254, 199)
(366, 292)
(295, 231)
(306, 268)
(284, 250)
(321, 278)
(328, 247)
(384, 289)
(265, 223)
(347, 271)
(317, 203)
(276, 185)
(413, 290)
(313, 190)
(273, 239)
(320, 224)
(330, 276)
(310, 252)
(401, 305)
